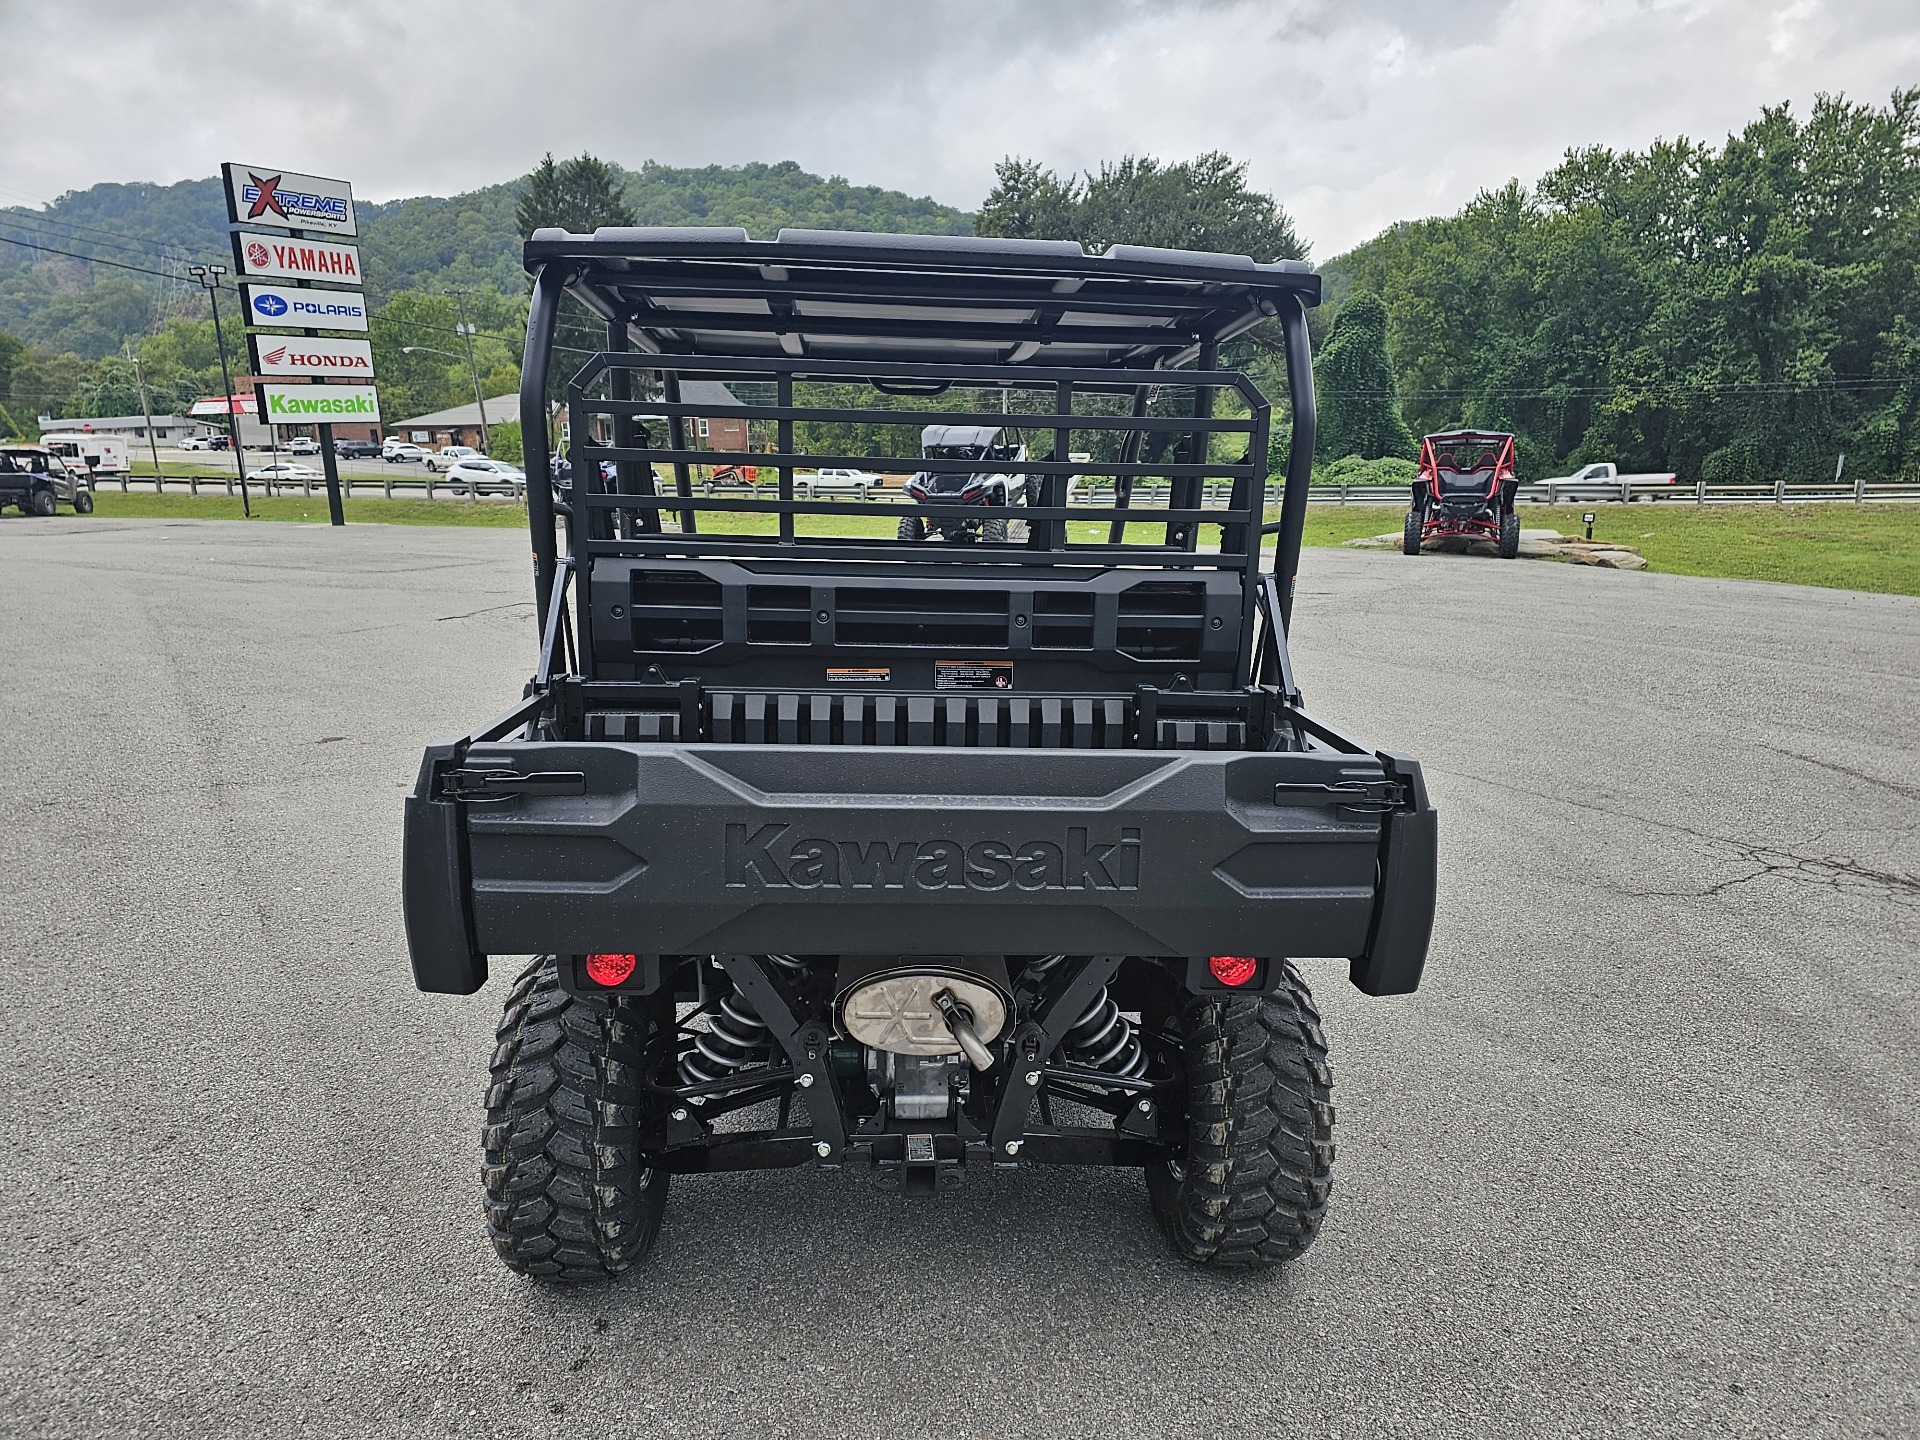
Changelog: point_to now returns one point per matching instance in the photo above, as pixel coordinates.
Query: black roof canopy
(844, 295)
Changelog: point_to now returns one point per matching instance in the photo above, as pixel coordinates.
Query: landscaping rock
(1534, 545)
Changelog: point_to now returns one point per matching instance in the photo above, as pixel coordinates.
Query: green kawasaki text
(294, 405)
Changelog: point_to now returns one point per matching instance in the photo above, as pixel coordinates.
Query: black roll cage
(644, 285)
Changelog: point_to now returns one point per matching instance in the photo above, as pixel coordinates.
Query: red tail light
(1235, 970)
(610, 970)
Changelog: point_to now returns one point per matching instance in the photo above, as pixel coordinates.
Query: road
(1641, 1157)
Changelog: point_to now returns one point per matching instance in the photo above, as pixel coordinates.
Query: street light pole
(209, 278)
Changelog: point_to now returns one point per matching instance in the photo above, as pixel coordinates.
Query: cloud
(1354, 115)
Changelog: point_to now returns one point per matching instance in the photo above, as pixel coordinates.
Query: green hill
(422, 243)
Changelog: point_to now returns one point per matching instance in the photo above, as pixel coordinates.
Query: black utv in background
(39, 482)
(837, 847)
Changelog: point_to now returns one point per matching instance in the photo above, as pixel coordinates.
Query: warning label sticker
(973, 674)
(859, 675)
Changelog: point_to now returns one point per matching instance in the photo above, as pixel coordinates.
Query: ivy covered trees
(1742, 313)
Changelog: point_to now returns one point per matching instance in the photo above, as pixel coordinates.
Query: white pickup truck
(1597, 482)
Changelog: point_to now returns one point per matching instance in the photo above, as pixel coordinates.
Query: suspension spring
(1101, 1038)
(736, 1038)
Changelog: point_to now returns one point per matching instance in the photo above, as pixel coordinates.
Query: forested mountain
(90, 307)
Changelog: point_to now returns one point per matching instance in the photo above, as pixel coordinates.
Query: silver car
(481, 476)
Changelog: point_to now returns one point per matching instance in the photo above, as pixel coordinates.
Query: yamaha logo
(257, 254)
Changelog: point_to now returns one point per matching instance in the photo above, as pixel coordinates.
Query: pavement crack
(1836, 872)
(488, 610)
(1851, 774)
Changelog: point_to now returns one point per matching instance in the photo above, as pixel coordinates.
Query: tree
(578, 195)
(1029, 202)
(1741, 312)
(1353, 384)
(1200, 204)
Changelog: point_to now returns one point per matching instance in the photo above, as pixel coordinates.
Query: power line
(90, 259)
(21, 221)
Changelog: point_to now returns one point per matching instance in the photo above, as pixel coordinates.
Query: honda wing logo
(275, 356)
(763, 855)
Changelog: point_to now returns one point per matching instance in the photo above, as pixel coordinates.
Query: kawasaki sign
(317, 404)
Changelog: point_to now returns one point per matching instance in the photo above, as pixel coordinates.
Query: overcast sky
(1354, 113)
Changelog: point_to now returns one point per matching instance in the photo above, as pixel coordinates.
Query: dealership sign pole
(312, 211)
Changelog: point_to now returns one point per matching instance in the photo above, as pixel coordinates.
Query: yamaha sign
(260, 195)
(280, 258)
(289, 309)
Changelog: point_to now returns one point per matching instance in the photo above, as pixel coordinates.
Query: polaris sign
(260, 195)
(306, 309)
(287, 355)
(317, 404)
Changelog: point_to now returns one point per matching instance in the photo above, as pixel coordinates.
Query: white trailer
(86, 452)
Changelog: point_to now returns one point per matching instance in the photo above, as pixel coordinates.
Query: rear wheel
(568, 1195)
(1410, 533)
(1509, 536)
(912, 527)
(1251, 1189)
(42, 503)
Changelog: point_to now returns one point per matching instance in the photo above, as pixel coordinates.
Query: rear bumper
(727, 849)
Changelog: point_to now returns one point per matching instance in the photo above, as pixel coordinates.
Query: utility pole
(146, 410)
(209, 278)
(466, 330)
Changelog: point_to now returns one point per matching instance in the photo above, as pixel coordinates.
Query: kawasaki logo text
(764, 855)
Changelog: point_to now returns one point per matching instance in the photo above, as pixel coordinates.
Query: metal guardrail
(1094, 493)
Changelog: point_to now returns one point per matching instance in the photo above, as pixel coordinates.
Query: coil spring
(735, 1038)
(1101, 1038)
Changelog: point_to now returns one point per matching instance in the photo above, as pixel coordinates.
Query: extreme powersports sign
(258, 195)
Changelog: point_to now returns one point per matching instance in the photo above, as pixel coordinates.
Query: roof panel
(917, 297)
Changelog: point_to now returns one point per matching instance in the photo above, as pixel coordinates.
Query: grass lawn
(1840, 546)
(310, 510)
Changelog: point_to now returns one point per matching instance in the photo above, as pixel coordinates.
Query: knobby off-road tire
(912, 527)
(1252, 1188)
(568, 1197)
(1509, 536)
(42, 503)
(83, 503)
(1410, 533)
(994, 532)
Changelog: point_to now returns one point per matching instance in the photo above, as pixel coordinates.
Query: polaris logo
(764, 856)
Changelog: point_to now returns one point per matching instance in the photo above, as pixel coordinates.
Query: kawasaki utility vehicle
(832, 848)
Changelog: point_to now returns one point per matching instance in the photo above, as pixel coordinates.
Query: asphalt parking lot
(1640, 1158)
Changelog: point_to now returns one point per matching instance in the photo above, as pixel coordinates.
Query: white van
(108, 453)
